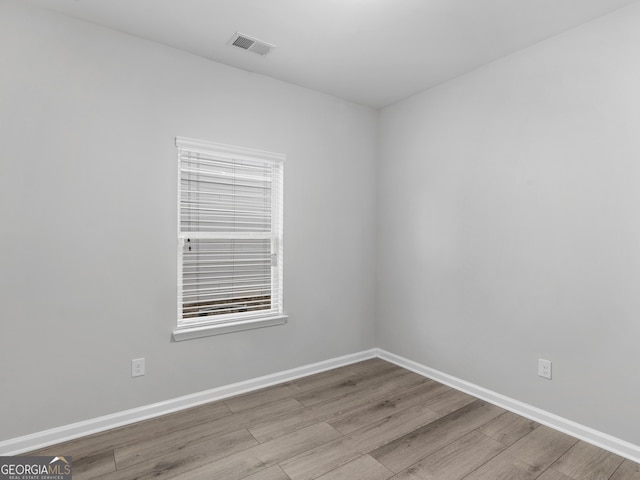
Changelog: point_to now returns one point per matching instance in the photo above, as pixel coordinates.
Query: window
(229, 239)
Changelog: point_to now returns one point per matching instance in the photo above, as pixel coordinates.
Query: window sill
(181, 334)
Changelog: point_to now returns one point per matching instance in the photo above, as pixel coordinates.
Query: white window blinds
(229, 234)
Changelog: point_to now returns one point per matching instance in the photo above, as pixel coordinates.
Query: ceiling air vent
(254, 45)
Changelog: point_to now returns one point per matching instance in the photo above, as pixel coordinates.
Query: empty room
(331, 239)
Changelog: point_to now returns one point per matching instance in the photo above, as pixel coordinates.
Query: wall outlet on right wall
(137, 367)
(544, 368)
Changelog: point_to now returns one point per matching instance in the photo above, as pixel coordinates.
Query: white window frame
(233, 322)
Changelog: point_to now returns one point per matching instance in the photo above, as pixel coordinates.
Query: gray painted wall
(88, 119)
(509, 226)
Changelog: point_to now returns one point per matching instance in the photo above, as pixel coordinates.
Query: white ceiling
(373, 52)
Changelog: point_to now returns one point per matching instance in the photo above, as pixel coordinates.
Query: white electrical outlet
(544, 368)
(137, 367)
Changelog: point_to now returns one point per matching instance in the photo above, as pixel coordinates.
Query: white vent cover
(254, 45)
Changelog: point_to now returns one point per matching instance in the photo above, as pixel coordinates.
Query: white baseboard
(589, 435)
(16, 446)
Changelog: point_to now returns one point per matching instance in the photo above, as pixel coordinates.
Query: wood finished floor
(367, 421)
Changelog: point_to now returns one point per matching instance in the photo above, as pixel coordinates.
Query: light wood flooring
(367, 421)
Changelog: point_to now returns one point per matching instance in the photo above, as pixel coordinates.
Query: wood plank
(336, 407)
(364, 369)
(508, 428)
(310, 392)
(587, 462)
(627, 471)
(336, 375)
(370, 412)
(192, 445)
(541, 447)
(160, 445)
(253, 460)
(551, 474)
(271, 473)
(456, 460)
(187, 458)
(449, 401)
(362, 468)
(418, 444)
(345, 387)
(505, 469)
(325, 458)
(94, 465)
(259, 397)
(527, 458)
(407, 475)
(137, 432)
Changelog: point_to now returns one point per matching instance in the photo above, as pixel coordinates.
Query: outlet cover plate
(137, 367)
(544, 368)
